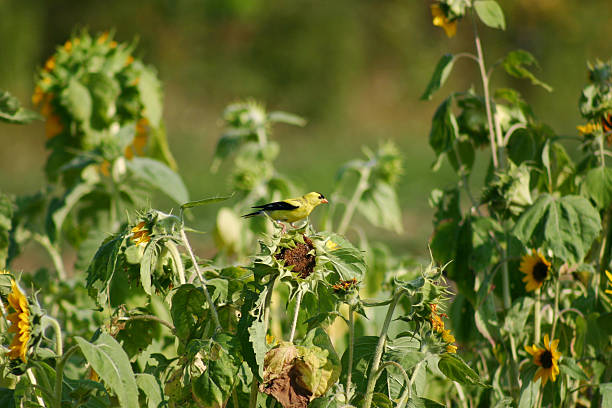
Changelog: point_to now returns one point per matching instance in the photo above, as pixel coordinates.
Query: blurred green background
(354, 68)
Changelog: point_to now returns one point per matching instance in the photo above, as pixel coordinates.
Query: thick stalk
(537, 317)
(362, 186)
(296, 312)
(59, 347)
(349, 374)
(485, 88)
(253, 395)
(555, 309)
(369, 394)
(213, 309)
(59, 375)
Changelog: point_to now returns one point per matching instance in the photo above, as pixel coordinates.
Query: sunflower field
(512, 307)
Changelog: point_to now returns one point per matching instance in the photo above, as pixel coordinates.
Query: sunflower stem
(537, 317)
(54, 254)
(362, 186)
(213, 309)
(253, 395)
(59, 346)
(59, 375)
(369, 393)
(349, 374)
(556, 309)
(176, 259)
(296, 312)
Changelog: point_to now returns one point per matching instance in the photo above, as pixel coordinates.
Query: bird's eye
(321, 197)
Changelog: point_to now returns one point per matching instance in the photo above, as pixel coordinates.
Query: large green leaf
(440, 75)
(598, 185)
(516, 63)
(157, 175)
(214, 386)
(606, 395)
(59, 208)
(150, 387)
(567, 225)
(490, 13)
(102, 268)
(188, 304)
(111, 363)
(457, 370)
(379, 205)
(252, 331)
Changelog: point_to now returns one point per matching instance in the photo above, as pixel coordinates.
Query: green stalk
(54, 254)
(213, 309)
(59, 347)
(537, 317)
(253, 395)
(555, 310)
(362, 186)
(296, 312)
(369, 394)
(59, 375)
(414, 373)
(349, 374)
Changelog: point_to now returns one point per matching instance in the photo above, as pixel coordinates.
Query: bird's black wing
(278, 205)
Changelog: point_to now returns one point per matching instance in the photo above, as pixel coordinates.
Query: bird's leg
(283, 226)
(292, 225)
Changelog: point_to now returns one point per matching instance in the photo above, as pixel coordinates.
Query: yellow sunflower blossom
(441, 20)
(129, 60)
(140, 234)
(451, 348)
(113, 44)
(609, 275)
(53, 126)
(68, 46)
(436, 321)
(102, 38)
(20, 323)
(38, 96)
(547, 358)
(536, 269)
(50, 64)
(588, 129)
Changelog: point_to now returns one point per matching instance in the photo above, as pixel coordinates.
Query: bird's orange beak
(324, 201)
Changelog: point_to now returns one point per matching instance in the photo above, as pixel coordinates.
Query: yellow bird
(290, 210)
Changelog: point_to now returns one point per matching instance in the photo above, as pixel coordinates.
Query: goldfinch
(290, 210)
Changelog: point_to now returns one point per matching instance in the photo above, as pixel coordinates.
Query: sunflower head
(21, 325)
(536, 269)
(141, 233)
(547, 358)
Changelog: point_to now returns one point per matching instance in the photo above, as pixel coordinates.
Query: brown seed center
(540, 271)
(546, 359)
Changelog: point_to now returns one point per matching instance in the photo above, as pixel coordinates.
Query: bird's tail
(253, 214)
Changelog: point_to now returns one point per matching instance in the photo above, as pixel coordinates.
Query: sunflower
(588, 129)
(450, 339)
(441, 20)
(140, 233)
(437, 324)
(547, 358)
(609, 275)
(536, 269)
(20, 323)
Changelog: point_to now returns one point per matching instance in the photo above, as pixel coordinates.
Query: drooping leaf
(567, 225)
(490, 13)
(252, 331)
(444, 128)
(159, 176)
(598, 186)
(516, 63)
(12, 112)
(286, 117)
(457, 370)
(111, 363)
(188, 305)
(440, 75)
(59, 209)
(150, 387)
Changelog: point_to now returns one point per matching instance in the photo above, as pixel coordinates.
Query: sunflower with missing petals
(536, 269)
(140, 234)
(20, 323)
(547, 358)
(440, 19)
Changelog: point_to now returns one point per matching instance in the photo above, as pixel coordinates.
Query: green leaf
(104, 91)
(102, 268)
(205, 201)
(457, 370)
(440, 75)
(490, 13)
(571, 368)
(151, 96)
(59, 209)
(12, 112)
(159, 176)
(147, 264)
(251, 331)
(288, 118)
(111, 363)
(567, 225)
(76, 98)
(516, 63)
(444, 128)
(213, 388)
(150, 387)
(379, 204)
(598, 186)
(606, 395)
(188, 303)
(517, 316)
(420, 402)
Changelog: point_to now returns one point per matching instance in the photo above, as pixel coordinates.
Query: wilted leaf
(440, 75)
(444, 128)
(516, 63)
